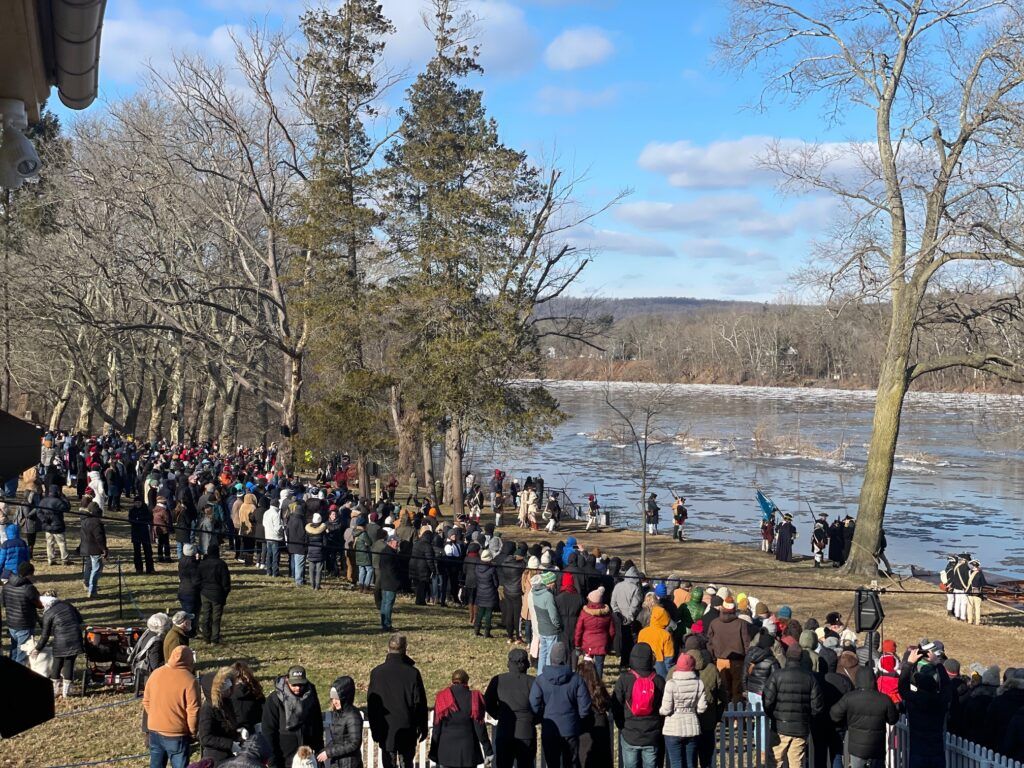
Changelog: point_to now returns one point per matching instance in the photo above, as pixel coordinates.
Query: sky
(626, 95)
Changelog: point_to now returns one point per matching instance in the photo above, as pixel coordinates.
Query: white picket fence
(740, 742)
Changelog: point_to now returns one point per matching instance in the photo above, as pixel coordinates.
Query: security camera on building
(19, 161)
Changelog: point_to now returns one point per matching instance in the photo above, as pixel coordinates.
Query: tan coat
(171, 698)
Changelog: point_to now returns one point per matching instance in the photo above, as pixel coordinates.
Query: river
(958, 483)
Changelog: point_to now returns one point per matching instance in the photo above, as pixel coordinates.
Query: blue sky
(625, 92)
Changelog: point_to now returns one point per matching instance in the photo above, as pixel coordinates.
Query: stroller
(107, 652)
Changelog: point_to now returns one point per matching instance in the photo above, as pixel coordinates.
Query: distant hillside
(655, 305)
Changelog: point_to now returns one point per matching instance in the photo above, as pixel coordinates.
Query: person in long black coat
(864, 714)
(486, 576)
(62, 629)
(926, 693)
(422, 566)
(459, 730)
(507, 699)
(344, 728)
(786, 536)
(836, 543)
(569, 604)
(396, 705)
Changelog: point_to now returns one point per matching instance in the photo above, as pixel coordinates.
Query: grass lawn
(271, 624)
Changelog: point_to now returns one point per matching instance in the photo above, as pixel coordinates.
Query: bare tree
(641, 413)
(933, 204)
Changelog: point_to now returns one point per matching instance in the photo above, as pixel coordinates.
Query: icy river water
(958, 483)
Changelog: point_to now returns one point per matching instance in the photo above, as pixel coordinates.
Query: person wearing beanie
(639, 729)
(809, 642)
(569, 604)
(561, 700)
(215, 585)
(682, 704)
(485, 599)
(148, 653)
(316, 549)
(792, 699)
(343, 728)
(659, 639)
(507, 699)
(595, 630)
(728, 639)
(548, 622)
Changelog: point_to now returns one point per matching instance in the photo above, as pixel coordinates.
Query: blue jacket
(569, 549)
(561, 699)
(13, 552)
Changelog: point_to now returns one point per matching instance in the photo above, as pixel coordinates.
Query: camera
(19, 161)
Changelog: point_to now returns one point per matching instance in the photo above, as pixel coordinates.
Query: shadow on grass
(1007, 619)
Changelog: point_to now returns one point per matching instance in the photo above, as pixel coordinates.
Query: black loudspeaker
(19, 445)
(33, 703)
(867, 610)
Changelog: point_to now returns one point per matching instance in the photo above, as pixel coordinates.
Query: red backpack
(641, 699)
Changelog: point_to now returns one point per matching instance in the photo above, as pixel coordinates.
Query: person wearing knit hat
(743, 605)
(549, 622)
(533, 564)
(682, 704)
(660, 590)
(545, 559)
(548, 578)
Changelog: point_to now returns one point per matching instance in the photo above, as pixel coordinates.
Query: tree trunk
(62, 403)
(427, 456)
(110, 406)
(643, 520)
(229, 419)
(131, 413)
(885, 430)
(177, 426)
(156, 414)
(363, 474)
(404, 433)
(453, 465)
(208, 413)
(84, 422)
(290, 416)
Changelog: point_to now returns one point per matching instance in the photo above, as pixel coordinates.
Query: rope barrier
(108, 705)
(621, 576)
(108, 761)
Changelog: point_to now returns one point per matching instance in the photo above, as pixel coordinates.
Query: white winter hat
(317, 519)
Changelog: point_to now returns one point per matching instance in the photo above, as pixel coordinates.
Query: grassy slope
(271, 625)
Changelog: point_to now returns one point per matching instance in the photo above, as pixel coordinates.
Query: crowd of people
(682, 651)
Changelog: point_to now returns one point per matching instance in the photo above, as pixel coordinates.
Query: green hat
(548, 577)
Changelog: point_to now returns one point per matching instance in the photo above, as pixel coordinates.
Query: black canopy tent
(20, 442)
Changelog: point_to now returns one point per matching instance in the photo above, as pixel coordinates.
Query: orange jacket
(171, 698)
(656, 636)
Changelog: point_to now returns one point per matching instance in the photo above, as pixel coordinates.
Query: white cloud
(586, 237)
(507, 43)
(738, 163)
(579, 48)
(711, 249)
(552, 100)
(736, 214)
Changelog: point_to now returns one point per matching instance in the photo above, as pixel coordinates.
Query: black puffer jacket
(642, 731)
(511, 576)
(486, 585)
(926, 709)
(295, 530)
(422, 566)
(758, 666)
(62, 624)
(792, 697)
(1001, 711)
(316, 540)
(507, 699)
(20, 599)
(214, 578)
(864, 714)
(344, 729)
(51, 514)
(94, 534)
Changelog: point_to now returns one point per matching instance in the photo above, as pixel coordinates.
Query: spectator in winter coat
(13, 552)
(681, 705)
(51, 521)
(758, 666)
(62, 623)
(792, 697)
(459, 729)
(92, 548)
(292, 718)
(422, 566)
(273, 531)
(178, 633)
(625, 603)
(396, 705)
(141, 520)
(1001, 710)
(717, 699)
(569, 604)
(344, 728)
(486, 599)
(975, 708)
(171, 706)
(549, 624)
(560, 699)
(219, 728)
(295, 531)
(864, 714)
(214, 587)
(162, 530)
(728, 639)
(507, 700)
(20, 600)
(595, 629)
(659, 640)
(510, 577)
(316, 548)
(925, 691)
(636, 701)
(189, 583)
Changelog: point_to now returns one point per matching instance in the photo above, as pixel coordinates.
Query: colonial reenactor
(819, 539)
(785, 536)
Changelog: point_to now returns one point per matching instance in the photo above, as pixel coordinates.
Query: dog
(304, 758)
(40, 662)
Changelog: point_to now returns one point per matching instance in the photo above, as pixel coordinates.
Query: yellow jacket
(657, 636)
